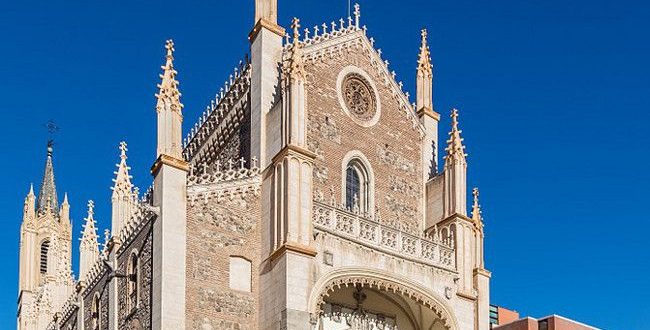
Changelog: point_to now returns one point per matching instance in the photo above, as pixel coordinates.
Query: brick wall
(217, 230)
(392, 146)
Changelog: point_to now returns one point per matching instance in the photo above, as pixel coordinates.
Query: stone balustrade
(431, 250)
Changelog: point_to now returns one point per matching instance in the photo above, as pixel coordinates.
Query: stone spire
(47, 199)
(424, 84)
(455, 199)
(169, 108)
(424, 107)
(64, 213)
(455, 149)
(89, 246)
(30, 200)
(123, 197)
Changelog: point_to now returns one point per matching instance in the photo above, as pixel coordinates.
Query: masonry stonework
(306, 196)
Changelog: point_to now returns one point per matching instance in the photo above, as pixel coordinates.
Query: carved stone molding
(380, 280)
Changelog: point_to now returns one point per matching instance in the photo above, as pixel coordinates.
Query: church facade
(308, 195)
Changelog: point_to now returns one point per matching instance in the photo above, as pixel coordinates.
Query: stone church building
(307, 196)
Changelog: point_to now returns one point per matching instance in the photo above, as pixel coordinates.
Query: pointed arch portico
(379, 281)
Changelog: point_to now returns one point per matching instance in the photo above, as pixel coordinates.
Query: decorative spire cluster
(424, 59)
(455, 149)
(122, 182)
(89, 246)
(168, 93)
(125, 195)
(47, 199)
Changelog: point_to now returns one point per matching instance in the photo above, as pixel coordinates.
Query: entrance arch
(362, 298)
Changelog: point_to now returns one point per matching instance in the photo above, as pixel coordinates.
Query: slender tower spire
(455, 171)
(424, 76)
(169, 108)
(89, 246)
(123, 198)
(424, 106)
(47, 199)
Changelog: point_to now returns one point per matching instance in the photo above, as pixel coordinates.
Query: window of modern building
(45, 248)
(356, 187)
(134, 281)
(240, 274)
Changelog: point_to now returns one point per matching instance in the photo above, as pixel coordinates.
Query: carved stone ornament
(358, 96)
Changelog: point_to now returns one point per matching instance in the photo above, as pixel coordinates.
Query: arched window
(45, 248)
(94, 312)
(134, 280)
(357, 190)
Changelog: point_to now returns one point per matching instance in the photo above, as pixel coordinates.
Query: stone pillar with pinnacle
(266, 55)
(169, 196)
(287, 239)
(429, 119)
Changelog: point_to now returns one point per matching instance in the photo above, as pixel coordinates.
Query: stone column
(266, 55)
(169, 243)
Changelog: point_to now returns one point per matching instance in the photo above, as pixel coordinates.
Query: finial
(476, 207)
(169, 45)
(65, 198)
(91, 208)
(31, 189)
(50, 148)
(295, 25)
(123, 150)
(424, 58)
(357, 14)
(454, 120)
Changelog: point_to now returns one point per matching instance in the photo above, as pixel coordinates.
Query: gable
(354, 105)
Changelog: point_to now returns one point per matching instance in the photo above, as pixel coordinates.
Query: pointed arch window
(357, 186)
(45, 249)
(94, 312)
(134, 281)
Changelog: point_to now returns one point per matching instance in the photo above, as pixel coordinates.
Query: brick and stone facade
(307, 196)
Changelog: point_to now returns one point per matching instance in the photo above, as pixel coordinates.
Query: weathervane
(52, 128)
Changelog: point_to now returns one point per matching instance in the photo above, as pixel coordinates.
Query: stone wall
(218, 229)
(139, 317)
(100, 287)
(392, 145)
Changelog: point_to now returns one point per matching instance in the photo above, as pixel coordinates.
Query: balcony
(431, 250)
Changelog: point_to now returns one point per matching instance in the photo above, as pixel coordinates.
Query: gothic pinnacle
(455, 149)
(476, 207)
(168, 94)
(295, 25)
(89, 234)
(122, 181)
(424, 58)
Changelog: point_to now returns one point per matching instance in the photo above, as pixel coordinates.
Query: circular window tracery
(358, 96)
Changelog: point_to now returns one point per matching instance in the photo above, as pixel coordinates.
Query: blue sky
(554, 101)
